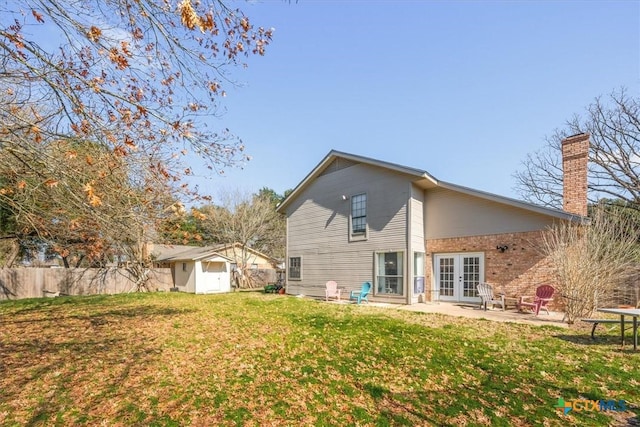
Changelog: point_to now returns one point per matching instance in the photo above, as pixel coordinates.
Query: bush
(593, 259)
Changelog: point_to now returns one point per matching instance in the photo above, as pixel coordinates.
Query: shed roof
(186, 253)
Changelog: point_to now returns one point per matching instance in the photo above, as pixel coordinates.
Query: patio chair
(544, 295)
(331, 290)
(485, 291)
(362, 294)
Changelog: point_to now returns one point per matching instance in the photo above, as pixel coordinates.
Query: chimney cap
(581, 135)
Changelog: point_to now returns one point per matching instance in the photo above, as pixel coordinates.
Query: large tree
(250, 219)
(102, 107)
(613, 123)
(83, 203)
(595, 263)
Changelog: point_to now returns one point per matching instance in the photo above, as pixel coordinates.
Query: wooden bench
(596, 322)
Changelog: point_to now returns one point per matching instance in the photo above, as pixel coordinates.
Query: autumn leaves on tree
(103, 106)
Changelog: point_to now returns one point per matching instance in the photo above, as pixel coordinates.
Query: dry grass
(254, 359)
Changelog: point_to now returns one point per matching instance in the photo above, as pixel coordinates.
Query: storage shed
(200, 270)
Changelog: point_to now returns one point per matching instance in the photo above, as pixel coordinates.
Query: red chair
(544, 294)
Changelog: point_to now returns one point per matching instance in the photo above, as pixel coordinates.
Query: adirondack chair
(362, 294)
(331, 290)
(544, 294)
(485, 291)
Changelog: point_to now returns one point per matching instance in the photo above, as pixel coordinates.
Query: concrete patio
(498, 315)
(471, 310)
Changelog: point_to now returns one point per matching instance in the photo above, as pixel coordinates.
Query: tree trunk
(13, 254)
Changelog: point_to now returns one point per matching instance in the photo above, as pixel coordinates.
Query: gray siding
(452, 214)
(318, 227)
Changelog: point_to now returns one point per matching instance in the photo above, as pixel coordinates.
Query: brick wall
(575, 154)
(516, 271)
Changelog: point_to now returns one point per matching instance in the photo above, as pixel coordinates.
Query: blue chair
(362, 294)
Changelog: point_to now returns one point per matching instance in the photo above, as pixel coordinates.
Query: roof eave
(426, 181)
(543, 210)
(421, 176)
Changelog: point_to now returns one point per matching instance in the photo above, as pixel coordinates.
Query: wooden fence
(16, 283)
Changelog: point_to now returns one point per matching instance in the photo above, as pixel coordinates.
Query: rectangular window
(295, 268)
(184, 266)
(359, 214)
(389, 278)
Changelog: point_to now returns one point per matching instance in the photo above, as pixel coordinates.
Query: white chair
(485, 291)
(331, 290)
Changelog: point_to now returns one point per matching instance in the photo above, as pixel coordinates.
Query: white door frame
(456, 275)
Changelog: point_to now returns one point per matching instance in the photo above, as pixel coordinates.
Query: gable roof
(195, 253)
(162, 252)
(248, 249)
(186, 253)
(424, 180)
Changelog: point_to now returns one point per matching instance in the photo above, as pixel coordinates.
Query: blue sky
(461, 89)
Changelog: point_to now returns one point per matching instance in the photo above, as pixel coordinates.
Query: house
(200, 269)
(354, 219)
(244, 255)
(258, 267)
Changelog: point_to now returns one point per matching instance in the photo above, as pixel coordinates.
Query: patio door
(456, 276)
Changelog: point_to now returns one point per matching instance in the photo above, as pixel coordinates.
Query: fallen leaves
(255, 359)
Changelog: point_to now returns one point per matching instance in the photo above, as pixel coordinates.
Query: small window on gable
(184, 266)
(295, 268)
(359, 214)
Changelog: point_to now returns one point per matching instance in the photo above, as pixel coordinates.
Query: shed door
(457, 275)
(216, 277)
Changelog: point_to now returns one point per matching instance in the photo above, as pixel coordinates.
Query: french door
(456, 276)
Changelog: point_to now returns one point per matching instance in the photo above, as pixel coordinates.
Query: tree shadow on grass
(54, 369)
(476, 404)
(101, 317)
(402, 408)
(584, 339)
(601, 341)
(46, 360)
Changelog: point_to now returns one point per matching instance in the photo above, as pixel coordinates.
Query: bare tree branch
(614, 155)
(102, 107)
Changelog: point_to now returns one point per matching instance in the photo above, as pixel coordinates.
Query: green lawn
(254, 359)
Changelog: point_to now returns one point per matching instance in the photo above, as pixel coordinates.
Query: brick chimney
(575, 155)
